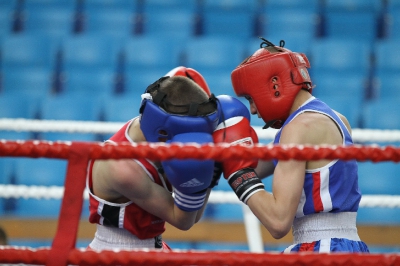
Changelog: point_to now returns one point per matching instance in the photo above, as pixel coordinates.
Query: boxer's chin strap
(271, 123)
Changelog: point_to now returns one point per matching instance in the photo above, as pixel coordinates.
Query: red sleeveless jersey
(127, 215)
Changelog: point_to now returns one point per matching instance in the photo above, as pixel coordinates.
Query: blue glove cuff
(190, 202)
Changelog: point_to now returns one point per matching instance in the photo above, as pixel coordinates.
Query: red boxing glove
(239, 173)
(236, 131)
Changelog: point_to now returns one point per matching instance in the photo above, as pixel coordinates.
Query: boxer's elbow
(279, 229)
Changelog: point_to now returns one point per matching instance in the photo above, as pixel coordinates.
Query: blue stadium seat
(378, 216)
(225, 212)
(35, 82)
(300, 5)
(90, 50)
(8, 4)
(114, 18)
(387, 84)
(351, 5)
(290, 24)
(393, 5)
(70, 107)
(340, 55)
(209, 53)
(137, 80)
(89, 81)
(219, 82)
(387, 54)
(37, 208)
(17, 105)
(48, 19)
(117, 23)
(359, 26)
(382, 178)
(39, 4)
(6, 17)
(228, 6)
(122, 108)
(177, 24)
(40, 171)
(352, 85)
(236, 24)
(392, 23)
(104, 5)
(146, 53)
(352, 19)
(6, 169)
(150, 6)
(381, 114)
(15, 135)
(29, 50)
(235, 19)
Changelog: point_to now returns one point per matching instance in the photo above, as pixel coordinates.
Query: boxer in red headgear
(272, 77)
(318, 200)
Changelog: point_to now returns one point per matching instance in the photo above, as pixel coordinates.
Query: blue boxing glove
(231, 107)
(190, 177)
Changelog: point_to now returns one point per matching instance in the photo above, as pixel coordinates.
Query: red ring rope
(159, 151)
(63, 250)
(170, 258)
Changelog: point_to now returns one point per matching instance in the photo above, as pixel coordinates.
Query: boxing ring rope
(63, 250)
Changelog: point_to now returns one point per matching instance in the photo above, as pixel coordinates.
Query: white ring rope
(96, 127)
(57, 192)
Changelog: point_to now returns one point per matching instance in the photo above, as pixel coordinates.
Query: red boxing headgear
(272, 77)
(192, 74)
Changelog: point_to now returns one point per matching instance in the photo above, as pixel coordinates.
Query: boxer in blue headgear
(131, 199)
(161, 119)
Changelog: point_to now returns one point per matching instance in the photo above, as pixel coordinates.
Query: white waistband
(318, 226)
(119, 238)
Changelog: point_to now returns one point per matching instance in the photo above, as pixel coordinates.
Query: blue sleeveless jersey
(334, 187)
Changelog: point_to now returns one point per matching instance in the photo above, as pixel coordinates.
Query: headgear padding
(157, 123)
(272, 78)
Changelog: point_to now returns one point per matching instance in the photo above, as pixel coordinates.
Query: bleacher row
(92, 59)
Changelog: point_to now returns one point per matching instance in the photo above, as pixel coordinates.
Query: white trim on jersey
(324, 190)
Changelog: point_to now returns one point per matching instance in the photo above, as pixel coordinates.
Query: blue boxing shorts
(329, 245)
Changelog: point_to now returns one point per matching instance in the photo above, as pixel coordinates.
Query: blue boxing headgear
(158, 124)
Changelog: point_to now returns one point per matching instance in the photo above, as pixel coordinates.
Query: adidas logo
(192, 183)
